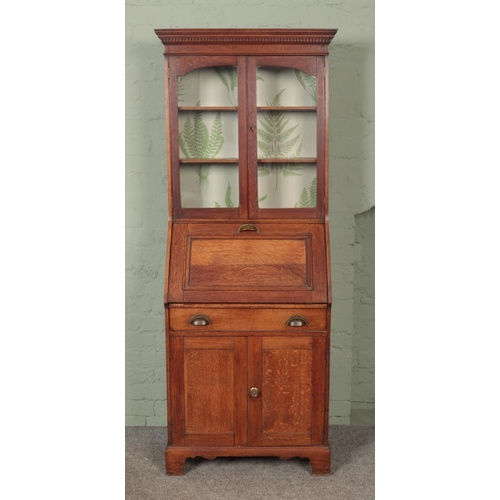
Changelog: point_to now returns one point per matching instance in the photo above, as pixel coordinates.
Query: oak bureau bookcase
(247, 282)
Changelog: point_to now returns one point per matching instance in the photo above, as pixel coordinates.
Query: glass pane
(215, 86)
(285, 87)
(286, 134)
(209, 185)
(287, 185)
(208, 134)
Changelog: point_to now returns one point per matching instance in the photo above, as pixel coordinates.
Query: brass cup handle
(199, 320)
(248, 227)
(296, 321)
(254, 392)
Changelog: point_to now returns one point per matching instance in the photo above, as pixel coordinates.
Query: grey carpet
(352, 478)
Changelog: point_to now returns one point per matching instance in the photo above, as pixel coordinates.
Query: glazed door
(248, 137)
(287, 136)
(208, 390)
(287, 405)
(207, 144)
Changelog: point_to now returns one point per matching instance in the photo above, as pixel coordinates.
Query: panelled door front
(289, 374)
(208, 387)
(256, 391)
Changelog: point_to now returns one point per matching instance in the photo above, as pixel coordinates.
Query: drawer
(292, 319)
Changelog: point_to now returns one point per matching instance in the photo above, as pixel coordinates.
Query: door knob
(254, 392)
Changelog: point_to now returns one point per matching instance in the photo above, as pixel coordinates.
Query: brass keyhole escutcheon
(254, 392)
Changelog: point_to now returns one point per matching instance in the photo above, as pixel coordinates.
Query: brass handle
(254, 392)
(199, 320)
(296, 321)
(248, 227)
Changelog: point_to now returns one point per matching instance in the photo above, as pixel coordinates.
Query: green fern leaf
(308, 83)
(262, 198)
(277, 99)
(269, 120)
(291, 170)
(230, 82)
(260, 78)
(216, 139)
(281, 125)
(229, 202)
(286, 134)
(217, 205)
(275, 143)
(313, 192)
(233, 77)
(266, 126)
(286, 148)
(268, 137)
(183, 146)
(266, 149)
(304, 199)
(203, 172)
(180, 89)
(299, 74)
(200, 135)
(220, 74)
(189, 137)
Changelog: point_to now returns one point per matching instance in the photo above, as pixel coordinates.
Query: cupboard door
(208, 112)
(289, 373)
(208, 384)
(287, 119)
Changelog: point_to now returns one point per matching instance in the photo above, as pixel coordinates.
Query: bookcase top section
(228, 41)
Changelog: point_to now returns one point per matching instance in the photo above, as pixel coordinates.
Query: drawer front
(273, 264)
(235, 319)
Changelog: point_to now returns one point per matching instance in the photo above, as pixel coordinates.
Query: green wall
(352, 184)
(363, 339)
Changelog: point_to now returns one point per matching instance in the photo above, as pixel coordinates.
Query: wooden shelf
(286, 160)
(208, 160)
(286, 108)
(207, 108)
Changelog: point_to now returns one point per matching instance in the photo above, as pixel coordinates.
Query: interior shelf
(286, 160)
(207, 108)
(208, 160)
(286, 108)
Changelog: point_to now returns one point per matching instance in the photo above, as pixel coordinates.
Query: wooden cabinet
(247, 284)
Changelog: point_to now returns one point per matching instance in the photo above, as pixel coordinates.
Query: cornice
(224, 36)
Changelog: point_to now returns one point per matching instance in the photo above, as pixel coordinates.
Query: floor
(352, 477)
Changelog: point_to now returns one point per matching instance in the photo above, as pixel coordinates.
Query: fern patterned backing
(212, 86)
(275, 141)
(301, 87)
(278, 137)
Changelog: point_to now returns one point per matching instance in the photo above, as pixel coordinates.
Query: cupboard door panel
(206, 400)
(289, 372)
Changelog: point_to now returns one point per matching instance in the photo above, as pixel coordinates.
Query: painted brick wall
(363, 343)
(351, 173)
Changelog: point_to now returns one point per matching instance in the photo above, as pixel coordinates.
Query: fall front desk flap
(241, 263)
